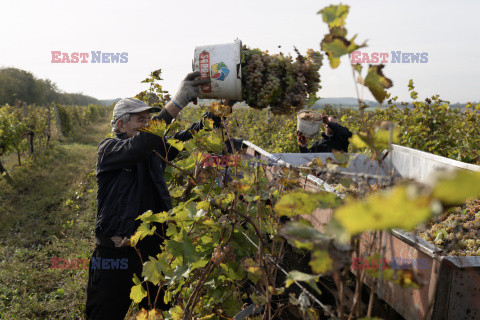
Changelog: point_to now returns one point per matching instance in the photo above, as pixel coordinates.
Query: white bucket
(220, 63)
(309, 127)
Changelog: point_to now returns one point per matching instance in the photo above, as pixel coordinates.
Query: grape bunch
(278, 81)
(223, 254)
(457, 233)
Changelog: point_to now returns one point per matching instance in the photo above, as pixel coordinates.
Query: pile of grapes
(458, 232)
(278, 81)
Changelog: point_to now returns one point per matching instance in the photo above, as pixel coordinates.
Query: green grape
(462, 226)
(278, 81)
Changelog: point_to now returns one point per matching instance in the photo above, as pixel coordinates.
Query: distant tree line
(19, 85)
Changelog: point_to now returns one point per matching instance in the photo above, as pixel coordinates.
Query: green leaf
(233, 271)
(152, 269)
(310, 279)
(399, 207)
(376, 82)
(303, 233)
(321, 261)
(304, 202)
(259, 299)
(59, 293)
(334, 15)
(357, 67)
(187, 163)
(137, 293)
(454, 188)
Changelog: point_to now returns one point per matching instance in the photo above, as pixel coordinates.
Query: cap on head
(130, 105)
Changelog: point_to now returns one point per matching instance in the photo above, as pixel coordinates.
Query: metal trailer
(450, 284)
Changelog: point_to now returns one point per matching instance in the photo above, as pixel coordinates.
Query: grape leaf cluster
(279, 81)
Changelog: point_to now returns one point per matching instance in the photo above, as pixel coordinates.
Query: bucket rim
(298, 113)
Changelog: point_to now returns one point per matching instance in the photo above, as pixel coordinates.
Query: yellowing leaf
(154, 314)
(405, 278)
(304, 202)
(357, 142)
(142, 231)
(334, 15)
(376, 82)
(251, 266)
(454, 188)
(177, 144)
(205, 204)
(177, 192)
(321, 261)
(145, 215)
(304, 277)
(316, 162)
(176, 312)
(137, 293)
(336, 46)
(157, 127)
(397, 208)
(228, 198)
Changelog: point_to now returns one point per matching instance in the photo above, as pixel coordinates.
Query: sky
(164, 34)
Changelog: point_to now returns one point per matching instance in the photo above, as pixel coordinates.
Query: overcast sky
(163, 34)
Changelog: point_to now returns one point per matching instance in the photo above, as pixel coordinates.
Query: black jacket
(339, 140)
(130, 178)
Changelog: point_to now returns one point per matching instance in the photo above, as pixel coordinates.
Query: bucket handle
(239, 75)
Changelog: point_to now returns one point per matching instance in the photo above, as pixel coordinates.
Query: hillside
(20, 85)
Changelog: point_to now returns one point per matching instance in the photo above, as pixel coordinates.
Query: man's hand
(301, 139)
(325, 118)
(189, 89)
(217, 121)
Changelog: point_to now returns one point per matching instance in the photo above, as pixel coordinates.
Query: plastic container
(309, 127)
(222, 64)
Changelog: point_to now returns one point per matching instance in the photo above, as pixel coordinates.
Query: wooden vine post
(48, 130)
(30, 128)
(58, 121)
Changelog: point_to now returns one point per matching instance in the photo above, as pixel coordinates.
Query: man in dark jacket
(335, 137)
(130, 178)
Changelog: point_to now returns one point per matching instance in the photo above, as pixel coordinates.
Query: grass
(48, 212)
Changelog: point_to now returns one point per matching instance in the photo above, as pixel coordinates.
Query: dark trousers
(108, 289)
